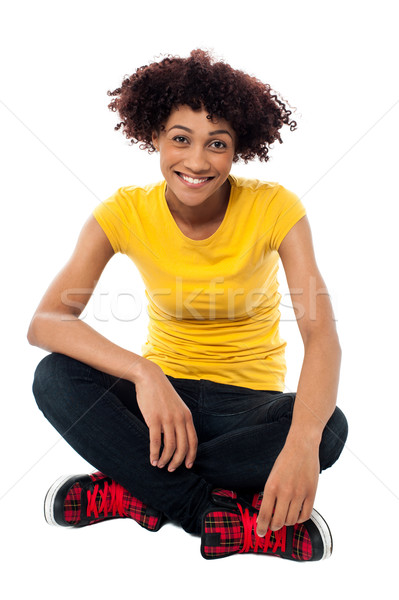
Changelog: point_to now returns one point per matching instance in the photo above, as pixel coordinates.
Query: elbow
(44, 326)
(335, 341)
(36, 330)
(31, 335)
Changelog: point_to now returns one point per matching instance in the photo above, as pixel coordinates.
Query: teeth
(191, 180)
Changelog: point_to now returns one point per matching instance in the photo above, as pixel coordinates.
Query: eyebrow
(191, 131)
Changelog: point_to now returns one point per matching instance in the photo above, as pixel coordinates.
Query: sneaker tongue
(227, 497)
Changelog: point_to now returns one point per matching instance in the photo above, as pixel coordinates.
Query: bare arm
(55, 325)
(291, 487)
(318, 383)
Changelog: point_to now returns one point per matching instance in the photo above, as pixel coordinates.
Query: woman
(198, 429)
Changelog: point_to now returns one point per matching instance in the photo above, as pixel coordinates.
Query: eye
(223, 145)
(178, 138)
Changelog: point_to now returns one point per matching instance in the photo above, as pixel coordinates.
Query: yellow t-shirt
(213, 304)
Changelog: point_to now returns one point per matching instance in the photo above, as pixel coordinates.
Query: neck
(209, 211)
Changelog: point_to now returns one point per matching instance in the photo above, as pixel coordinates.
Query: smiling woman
(205, 400)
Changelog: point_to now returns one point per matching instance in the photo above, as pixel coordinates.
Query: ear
(155, 139)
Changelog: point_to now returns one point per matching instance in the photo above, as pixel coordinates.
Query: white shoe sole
(324, 531)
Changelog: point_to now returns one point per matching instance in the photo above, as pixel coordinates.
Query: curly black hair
(146, 99)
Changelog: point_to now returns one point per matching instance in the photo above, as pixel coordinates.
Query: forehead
(195, 119)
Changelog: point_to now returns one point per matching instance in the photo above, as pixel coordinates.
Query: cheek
(170, 157)
(223, 163)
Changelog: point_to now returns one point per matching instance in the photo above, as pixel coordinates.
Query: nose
(196, 160)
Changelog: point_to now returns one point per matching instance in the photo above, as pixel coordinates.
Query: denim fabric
(240, 434)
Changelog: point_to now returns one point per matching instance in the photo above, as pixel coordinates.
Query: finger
(181, 446)
(192, 439)
(155, 443)
(169, 445)
(280, 513)
(306, 511)
(293, 512)
(265, 514)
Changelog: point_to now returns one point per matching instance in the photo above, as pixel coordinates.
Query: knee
(339, 424)
(48, 374)
(334, 439)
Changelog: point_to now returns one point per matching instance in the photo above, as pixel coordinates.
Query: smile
(193, 181)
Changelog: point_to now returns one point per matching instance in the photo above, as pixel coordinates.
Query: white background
(336, 62)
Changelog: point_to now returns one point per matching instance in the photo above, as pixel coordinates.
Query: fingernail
(154, 463)
(171, 469)
(160, 466)
(189, 465)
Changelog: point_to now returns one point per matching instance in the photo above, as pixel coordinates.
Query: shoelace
(249, 525)
(111, 500)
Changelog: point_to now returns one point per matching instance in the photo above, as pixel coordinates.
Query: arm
(56, 327)
(318, 383)
(291, 487)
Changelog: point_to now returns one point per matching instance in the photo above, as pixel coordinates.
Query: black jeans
(240, 434)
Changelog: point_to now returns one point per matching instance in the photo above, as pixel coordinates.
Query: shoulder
(273, 207)
(271, 194)
(273, 200)
(130, 192)
(244, 184)
(129, 198)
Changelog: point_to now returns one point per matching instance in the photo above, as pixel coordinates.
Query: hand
(165, 413)
(291, 487)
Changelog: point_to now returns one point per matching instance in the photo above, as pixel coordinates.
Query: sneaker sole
(324, 531)
(49, 500)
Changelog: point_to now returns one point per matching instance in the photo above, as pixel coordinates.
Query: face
(196, 154)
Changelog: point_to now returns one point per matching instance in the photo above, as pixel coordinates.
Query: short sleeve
(285, 210)
(114, 217)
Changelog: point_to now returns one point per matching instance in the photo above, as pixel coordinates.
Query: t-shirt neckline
(218, 231)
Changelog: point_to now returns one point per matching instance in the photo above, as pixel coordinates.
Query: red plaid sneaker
(230, 528)
(79, 500)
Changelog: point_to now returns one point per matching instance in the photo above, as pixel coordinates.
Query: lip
(192, 185)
